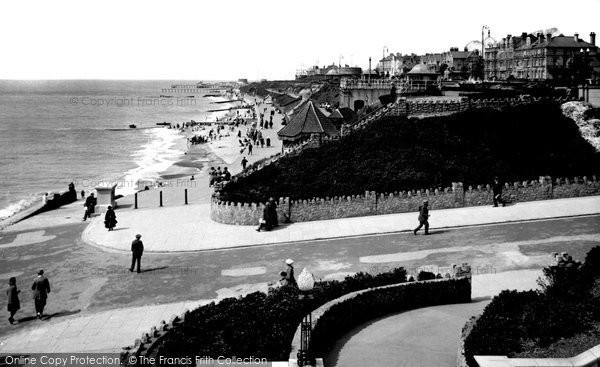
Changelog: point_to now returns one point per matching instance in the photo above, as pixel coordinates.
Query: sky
(227, 40)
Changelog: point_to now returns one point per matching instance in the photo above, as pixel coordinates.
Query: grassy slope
(397, 154)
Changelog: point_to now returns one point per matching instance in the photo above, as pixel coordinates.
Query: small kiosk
(105, 197)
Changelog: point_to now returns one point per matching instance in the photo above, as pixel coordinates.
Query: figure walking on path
(273, 212)
(13, 299)
(89, 205)
(249, 149)
(244, 163)
(40, 288)
(110, 219)
(497, 192)
(137, 249)
(291, 280)
(265, 221)
(423, 217)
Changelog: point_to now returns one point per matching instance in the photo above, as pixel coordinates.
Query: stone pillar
(459, 194)
(105, 197)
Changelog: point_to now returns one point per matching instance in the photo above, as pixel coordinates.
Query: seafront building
(542, 57)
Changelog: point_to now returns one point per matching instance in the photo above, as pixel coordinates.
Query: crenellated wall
(372, 203)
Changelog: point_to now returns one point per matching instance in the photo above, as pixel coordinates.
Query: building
(460, 64)
(562, 59)
(397, 64)
(421, 78)
(328, 72)
(308, 122)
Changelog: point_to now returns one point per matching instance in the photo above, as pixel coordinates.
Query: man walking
(497, 192)
(90, 203)
(244, 163)
(137, 249)
(423, 217)
(41, 288)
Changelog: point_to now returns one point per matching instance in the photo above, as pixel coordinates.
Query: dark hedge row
(395, 154)
(258, 325)
(526, 324)
(351, 313)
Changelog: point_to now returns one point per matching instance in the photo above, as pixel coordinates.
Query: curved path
(424, 337)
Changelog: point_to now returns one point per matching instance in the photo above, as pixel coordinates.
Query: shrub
(346, 315)
(425, 275)
(258, 325)
(533, 323)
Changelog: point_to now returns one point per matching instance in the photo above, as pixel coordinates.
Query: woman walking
(13, 299)
(110, 219)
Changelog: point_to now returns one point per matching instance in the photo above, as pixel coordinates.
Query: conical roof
(308, 120)
(335, 115)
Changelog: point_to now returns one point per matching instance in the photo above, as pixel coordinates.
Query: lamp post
(306, 283)
(483, 28)
(385, 49)
(584, 68)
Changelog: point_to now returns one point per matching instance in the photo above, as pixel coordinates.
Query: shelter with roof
(285, 102)
(309, 121)
(420, 77)
(542, 57)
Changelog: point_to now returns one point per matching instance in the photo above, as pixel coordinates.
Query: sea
(61, 131)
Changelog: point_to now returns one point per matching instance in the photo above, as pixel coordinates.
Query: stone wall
(372, 203)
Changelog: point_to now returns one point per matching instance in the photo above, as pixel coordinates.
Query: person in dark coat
(110, 219)
(423, 217)
(290, 273)
(273, 212)
(13, 299)
(137, 249)
(90, 203)
(244, 163)
(41, 288)
(265, 222)
(497, 192)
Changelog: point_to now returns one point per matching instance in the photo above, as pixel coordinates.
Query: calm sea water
(56, 132)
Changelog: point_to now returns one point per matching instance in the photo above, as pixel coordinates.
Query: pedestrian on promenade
(13, 299)
(268, 142)
(89, 205)
(137, 249)
(213, 176)
(82, 194)
(289, 272)
(265, 221)
(273, 212)
(423, 217)
(244, 163)
(40, 288)
(110, 218)
(497, 192)
(249, 148)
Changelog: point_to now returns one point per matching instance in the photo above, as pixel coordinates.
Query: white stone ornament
(306, 281)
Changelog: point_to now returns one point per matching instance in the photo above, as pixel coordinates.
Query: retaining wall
(372, 203)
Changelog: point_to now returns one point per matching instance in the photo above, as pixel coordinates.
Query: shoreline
(194, 161)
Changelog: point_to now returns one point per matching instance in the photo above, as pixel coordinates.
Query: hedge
(519, 143)
(258, 325)
(533, 323)
(346, 315)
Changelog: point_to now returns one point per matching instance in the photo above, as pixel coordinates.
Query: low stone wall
(372, 203)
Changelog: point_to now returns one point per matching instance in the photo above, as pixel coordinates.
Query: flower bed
(258, 325)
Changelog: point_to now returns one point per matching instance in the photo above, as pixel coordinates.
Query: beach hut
(286, 102)
(306, 123)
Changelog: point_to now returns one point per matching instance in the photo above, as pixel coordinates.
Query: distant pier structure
(198, 88)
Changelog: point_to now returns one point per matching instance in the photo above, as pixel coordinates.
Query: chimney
(523, 36)
(548, 37)
(576, 37)
(593, 38)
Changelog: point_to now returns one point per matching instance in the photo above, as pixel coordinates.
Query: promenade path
(189, 228)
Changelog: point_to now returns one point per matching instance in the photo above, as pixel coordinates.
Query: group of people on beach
(218, 175)
(40, 288)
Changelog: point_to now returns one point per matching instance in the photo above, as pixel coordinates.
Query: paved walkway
(111, 330)
(105, 332)
(426, 336)
(189, 228)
